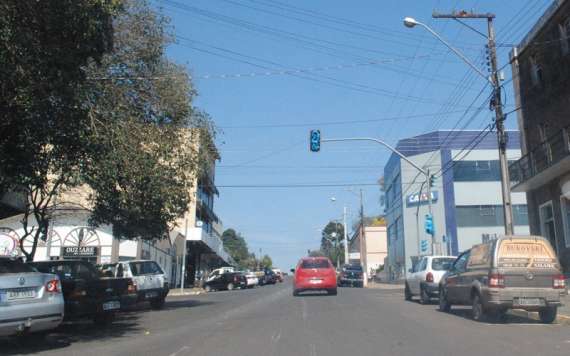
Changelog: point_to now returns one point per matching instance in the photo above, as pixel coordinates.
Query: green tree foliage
(143, 130)
(331, 242)
(43, 47)
(266, 262)
(317, 253)
(237, 248)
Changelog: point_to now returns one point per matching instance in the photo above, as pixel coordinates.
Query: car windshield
(307, 264)
(442, 264)
(8, 265)
(146, 267)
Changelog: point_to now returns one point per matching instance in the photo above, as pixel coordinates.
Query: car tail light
(53, 286)
(559, 282)
(236, 278)
(429, 277)
(496, 280)
(131, 288)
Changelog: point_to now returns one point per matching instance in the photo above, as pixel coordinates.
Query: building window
(547, 224)
(536, 72)
(564, 29)
(565, 205)
(489, 215)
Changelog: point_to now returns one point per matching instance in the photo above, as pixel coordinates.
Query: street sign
(315, 141)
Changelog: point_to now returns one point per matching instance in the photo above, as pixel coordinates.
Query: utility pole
(182, 280)
(363, 243)
(345, 235)
(496, 103)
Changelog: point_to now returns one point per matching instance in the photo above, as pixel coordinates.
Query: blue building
(466, 195)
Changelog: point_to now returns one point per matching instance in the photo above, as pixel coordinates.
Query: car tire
(157, 303)
(295, 293)
(478, 310)
(444, 304)
(104, 318)
(332, 291)
(424, 296)
(230, 286)
(407, 293)
(548, 315)
(207, 288)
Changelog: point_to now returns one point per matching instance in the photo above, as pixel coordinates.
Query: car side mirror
(292, 270)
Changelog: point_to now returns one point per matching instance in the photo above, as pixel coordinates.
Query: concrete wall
(376, 246)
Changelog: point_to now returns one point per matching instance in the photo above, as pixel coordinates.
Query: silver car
(30, 301)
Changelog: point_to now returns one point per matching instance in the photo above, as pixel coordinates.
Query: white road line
(182, 349)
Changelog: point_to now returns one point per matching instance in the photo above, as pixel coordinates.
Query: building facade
(466, 200)
(195, 238)
(541, 72)
(375, 247)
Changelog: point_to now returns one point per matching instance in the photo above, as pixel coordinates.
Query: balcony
(549, 160)
(211, 240)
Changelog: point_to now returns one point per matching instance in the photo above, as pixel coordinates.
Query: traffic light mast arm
(401, 155)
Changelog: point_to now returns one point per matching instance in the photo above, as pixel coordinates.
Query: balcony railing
(542, 157)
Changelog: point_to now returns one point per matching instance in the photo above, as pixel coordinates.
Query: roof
(539, 25)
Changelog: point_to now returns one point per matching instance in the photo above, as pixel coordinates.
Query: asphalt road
(270, 321)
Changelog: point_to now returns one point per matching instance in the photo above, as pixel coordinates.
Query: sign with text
(354, 256)
(415, 199)
(79, 251)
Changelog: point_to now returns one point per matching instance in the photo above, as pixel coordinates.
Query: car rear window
(355, 268)
(147, 267)
(526, 253)
(441, 264)
(14, 266)
(307, 264)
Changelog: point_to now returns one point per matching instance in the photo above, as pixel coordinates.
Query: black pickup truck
(226, 280)
(87, 294)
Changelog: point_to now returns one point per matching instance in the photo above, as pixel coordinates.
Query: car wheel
(207, 288)
(332, 291)
(407, 293)
(157, 303)
(548, 315)
(477, 311)
(444, 305)
(230, 286)
(295, 293)
(424, 296)
(104, 318)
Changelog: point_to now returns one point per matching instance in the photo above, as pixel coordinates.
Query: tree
(237, 248)
(149, 143)
(331, 242)
(316, 253)
(43, 47)
(266, 262)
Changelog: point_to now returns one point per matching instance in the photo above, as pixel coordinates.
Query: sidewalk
(176, 292)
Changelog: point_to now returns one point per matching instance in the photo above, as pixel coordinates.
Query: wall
(376, 246)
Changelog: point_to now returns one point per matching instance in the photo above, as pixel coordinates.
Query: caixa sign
(415, 199)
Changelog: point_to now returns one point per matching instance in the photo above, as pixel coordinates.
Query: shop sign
(79, 251)
(415, 199)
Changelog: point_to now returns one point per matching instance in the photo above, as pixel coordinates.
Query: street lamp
(497, 101)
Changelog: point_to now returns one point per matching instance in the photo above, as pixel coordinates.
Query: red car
(314, 274)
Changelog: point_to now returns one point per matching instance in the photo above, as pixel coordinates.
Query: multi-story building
(375, 247)
(541, 79)
(197, 234)
(466, 200)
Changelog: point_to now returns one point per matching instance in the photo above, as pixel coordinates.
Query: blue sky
(269, 71)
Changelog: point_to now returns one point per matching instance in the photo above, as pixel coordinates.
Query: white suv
(423, 279)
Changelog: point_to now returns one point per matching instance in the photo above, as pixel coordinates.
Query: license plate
(315, 281)
(20, 294)
(111, 305)
(151, 295)
(528, 301)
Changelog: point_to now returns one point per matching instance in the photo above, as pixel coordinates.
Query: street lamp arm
(459, 54)
(401, 155)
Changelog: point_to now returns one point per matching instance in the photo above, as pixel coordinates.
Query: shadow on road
(507, 319)
(126, 324)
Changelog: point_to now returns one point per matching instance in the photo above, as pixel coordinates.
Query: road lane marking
(182, 349)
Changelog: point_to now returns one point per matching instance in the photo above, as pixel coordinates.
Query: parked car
(518, 272)
(30, 301)
(87, 294)
(351, 275)
(251, 279)
(423, 279)
(150, 281)
(314, 274)
(268, 277)
(278, 275)
(220, 280)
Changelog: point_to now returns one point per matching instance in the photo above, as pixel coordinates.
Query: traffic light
(429, 225)
(315, 141)
(431, 181)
